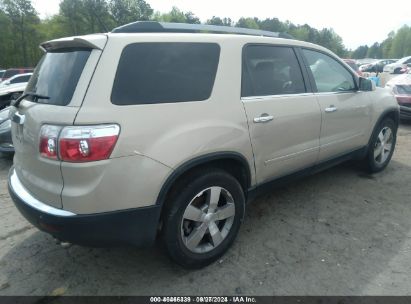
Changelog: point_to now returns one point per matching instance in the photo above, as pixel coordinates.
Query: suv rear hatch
(56, 91)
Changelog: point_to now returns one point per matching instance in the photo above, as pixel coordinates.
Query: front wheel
(382, 146)
(203, 218)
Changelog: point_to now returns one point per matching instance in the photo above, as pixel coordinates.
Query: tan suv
(166, 130)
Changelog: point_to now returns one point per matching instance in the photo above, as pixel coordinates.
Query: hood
(18, 87)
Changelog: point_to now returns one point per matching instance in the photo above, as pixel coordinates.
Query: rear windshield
(57, 75)
(151, 73)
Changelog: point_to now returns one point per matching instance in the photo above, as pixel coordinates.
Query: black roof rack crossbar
(167, 27)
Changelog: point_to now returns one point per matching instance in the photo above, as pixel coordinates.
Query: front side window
(329, 75)
(150, 73)
(270, 70)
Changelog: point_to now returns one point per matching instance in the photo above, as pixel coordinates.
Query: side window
(329, 74)
(150, 73)
(270, 70)
(21, 79)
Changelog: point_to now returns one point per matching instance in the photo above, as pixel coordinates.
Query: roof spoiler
(96, 41)
(166, 27)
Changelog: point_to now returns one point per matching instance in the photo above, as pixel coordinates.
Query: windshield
(403, 60)
(57, 75)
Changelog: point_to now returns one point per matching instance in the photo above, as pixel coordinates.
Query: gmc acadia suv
(167, 130)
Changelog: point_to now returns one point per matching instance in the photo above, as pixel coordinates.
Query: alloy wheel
(207, 220)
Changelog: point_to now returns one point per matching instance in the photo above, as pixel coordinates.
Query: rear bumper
(137, 227)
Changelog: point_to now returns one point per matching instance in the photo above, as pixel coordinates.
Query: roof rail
(167, 27)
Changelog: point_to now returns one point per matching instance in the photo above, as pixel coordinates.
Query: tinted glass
(57, 75)
(270, 70)
(352, 65)
(10, 73)
(1, 74)
(20, 79)
(165, 72)
(329, 74)
(404, 89)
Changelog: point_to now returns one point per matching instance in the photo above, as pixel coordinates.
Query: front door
(346, 112)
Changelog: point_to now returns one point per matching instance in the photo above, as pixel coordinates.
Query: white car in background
(396, 67)
(12, 88)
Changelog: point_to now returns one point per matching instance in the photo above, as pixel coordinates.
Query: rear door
(346, 112)
(62, 75)
(283, 116)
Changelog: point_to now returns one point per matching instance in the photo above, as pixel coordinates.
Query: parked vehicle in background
(6, 144)
(14, 71)
(376, 67)
(12, 88)
(401, 88)
(16, 79)
(398, 66)
(353, 65)
(363, 61)
(1, 75)
(162, 129)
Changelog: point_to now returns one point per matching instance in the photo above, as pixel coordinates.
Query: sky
(357, 22)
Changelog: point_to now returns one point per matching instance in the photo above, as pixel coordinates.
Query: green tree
(175, 15)
(20, 20)
(250, 23)
(401, 44)
(375, 51)
(218, 21)
(126, 11)
(360, 52)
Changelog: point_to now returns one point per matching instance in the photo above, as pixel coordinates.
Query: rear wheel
(203, 218)
(382, 146)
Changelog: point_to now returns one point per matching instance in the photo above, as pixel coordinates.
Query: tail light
(48, 141)
(78, 143)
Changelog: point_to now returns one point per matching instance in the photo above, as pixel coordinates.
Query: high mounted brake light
(78, 143)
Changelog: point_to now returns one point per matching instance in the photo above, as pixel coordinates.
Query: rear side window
(10, 73)
(21, 79)
(270, 70)
(150, 73)
(57, 75)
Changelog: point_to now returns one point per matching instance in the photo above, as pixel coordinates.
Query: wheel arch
(232, 162)
(392, 113)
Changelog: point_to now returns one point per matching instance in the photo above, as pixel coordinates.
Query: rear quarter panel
(169, 134)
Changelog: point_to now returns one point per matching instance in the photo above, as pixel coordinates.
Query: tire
(192, 233)
(381, 146)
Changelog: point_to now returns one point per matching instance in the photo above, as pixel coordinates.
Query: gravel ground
(339, 232)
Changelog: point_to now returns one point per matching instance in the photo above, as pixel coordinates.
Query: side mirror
(366, 84)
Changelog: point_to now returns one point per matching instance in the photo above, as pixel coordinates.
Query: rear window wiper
(16, 102)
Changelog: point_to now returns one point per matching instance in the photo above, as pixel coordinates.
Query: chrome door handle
(263, 118)
(330, 109)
